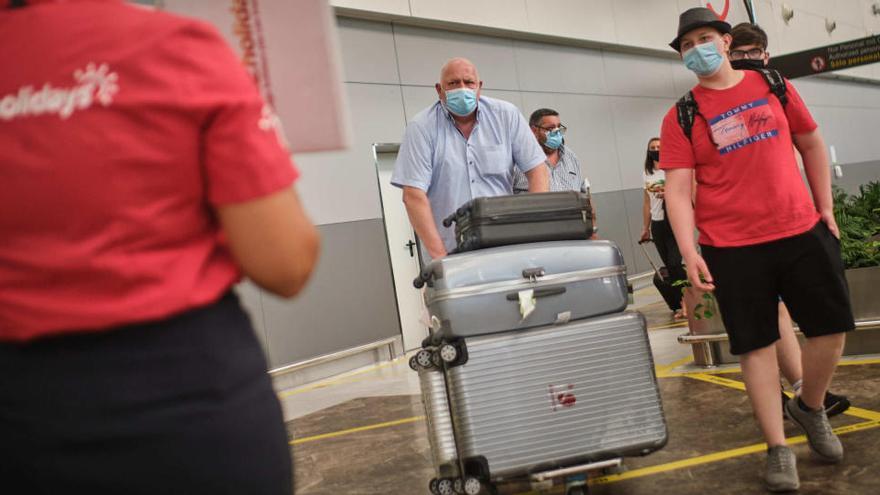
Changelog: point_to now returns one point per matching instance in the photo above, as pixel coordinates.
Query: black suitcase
(662, 281)
(521, 219)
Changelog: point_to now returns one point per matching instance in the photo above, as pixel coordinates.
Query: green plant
(858, 218)
(703, 310)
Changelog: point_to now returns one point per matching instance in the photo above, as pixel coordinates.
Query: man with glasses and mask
(462, 147)
(762, 234)
(748, 51)
(561, 161)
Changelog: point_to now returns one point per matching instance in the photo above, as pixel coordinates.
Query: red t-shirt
(120, 129)
(749, 187)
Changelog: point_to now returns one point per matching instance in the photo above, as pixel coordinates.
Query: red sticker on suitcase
(562, 396)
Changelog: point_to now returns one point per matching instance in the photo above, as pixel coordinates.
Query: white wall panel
(581, 19)
(367, 51)
(871, 21)
(545, 67)
(647, 23)
(688, 4)
(849, 11)
(590, 134)
(341, 186)
(422, 52)
(637, 75)
(416, 99)
(397, 7)
(803, 31)
(635, 121)
(769, 20)
(514, 97)
(508, 14)
(682, 78)
(858, 135)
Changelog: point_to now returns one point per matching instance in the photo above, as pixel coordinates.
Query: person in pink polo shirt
(141, 176)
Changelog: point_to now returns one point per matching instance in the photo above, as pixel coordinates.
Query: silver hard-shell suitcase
(438, 421)
(478, 292)
(554, 397)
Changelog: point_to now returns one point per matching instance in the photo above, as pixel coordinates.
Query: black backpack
(687, 106)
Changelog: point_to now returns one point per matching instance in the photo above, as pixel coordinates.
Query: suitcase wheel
(457, 486)
(424, 359)
(444, 487)
(472, 486)
(413, 364)
(432, 486)
(448, 353)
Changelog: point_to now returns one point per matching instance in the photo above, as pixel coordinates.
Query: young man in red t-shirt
(762, 235)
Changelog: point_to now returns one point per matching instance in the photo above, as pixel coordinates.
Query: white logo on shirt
(269, 121)
(94, 83)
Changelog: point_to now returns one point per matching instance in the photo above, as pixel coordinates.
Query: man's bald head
(458, 73)
(457, 65)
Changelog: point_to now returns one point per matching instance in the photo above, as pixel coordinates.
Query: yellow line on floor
(859, 361)
(719, 456)
(846, 361)
(719, 380)
(856, 412)
(710, 371)
(338, 380)
(356, 430)
(664, 370)
(667, 326)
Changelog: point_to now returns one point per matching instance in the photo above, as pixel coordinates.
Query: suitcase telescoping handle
(647, 255)
(543, 292)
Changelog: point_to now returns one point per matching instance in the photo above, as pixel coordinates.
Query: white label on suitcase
(526, 302)
(562, 318)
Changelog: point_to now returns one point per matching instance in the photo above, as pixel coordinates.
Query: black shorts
(805, 270)
(178, 406)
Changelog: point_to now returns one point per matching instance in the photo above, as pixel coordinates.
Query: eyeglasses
(753, 54)
(548, 130)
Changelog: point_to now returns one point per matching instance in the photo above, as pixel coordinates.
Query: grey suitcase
(553, 397)
(438, 421)
(477, 293)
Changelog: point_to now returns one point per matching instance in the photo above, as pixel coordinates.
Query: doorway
(403, 249)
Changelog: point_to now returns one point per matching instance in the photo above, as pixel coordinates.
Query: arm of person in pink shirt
(272, 240)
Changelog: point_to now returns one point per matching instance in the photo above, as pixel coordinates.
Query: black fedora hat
(694, 18)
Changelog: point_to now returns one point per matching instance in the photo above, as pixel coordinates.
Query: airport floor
(364, 433)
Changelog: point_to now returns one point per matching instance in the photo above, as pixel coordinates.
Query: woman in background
(656, 227)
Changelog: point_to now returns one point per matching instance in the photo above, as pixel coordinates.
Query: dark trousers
(664, 241)
(179, 406)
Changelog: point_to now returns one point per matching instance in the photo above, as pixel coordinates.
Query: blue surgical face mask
(554, 140)
(461, 102)
(703, 59)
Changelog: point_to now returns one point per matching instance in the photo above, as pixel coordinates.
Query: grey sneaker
(782, 473)
(815, 424)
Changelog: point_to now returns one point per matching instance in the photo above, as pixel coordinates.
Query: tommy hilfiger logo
(94, 83)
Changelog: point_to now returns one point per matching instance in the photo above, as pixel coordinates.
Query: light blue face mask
(554, 140)
(461, 102)
(703, 59)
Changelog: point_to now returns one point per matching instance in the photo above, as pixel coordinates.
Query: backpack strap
(687, 110)
(777, 84)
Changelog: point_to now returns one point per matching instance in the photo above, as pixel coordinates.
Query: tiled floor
(363, 433)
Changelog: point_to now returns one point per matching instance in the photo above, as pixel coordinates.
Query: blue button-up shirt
(435, 157)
